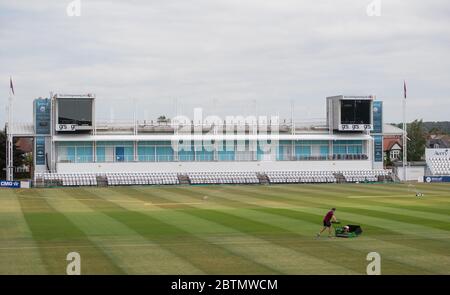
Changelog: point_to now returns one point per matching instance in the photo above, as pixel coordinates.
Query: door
(120, 153)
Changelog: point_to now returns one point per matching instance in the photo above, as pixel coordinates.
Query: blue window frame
(120, 154)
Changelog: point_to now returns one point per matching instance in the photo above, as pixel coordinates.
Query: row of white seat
(89, 179)
(375, 172)
(78, 181)
(223, 177)
(300, 176)
(365, 175)
(68, 179)
(439, 166)
(437, 160)
(299, 173)
(361, 178)
(61, 175)
(312, 179)
(221, 180)
(324, 176)
(142, 178)
(440, 171)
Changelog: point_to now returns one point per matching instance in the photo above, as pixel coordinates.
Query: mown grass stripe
(210, 258)
(275, 241)
(316, 202)
(412, 203)
(418, 261)
(410, 233)
(387, 241)
(435, 187)
(338, 191)
(412, 219)
(51, 228)
(399, 214)
(422, 222)
(115, 239)
(295, 240)
(14, 233)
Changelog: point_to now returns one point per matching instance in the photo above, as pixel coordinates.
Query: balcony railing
(209, 157)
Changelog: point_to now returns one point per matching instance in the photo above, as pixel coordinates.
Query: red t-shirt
(328, 216)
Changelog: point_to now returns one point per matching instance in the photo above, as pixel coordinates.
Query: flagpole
(9, 137)
(405, 135)
(8, 118)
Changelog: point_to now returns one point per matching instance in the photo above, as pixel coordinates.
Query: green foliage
(417, 140)
(442, 127)
(18, 155)
(163, 119)
(387, 160)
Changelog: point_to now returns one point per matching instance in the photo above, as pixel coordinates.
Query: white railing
(208, 157)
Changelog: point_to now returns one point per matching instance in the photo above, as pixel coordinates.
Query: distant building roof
(388, 143)
(25, 144)
(441, 141)
(389, 129)
(22, 129)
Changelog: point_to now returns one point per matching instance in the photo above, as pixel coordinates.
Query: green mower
(347, 231)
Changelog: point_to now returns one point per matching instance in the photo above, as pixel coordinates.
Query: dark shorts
(327, 223)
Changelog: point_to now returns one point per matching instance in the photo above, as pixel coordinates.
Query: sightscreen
(75, 111)
(355, 111)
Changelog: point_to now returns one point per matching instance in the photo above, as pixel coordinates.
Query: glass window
(101, 155)
(395, 154)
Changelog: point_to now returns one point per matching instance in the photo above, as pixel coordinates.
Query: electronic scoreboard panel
(356, 114)
(350, 113)
(74, 113)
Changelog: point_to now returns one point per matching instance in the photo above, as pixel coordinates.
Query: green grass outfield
(249, 229)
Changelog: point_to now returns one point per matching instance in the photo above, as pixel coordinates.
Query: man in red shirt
(327, 222)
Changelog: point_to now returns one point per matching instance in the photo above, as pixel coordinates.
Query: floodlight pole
(292, 117)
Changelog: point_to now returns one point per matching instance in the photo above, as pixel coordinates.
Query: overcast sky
(231, 57)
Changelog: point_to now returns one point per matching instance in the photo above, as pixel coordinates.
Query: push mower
(347, 231)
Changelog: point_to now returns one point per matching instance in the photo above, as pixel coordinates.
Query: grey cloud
(233, 52)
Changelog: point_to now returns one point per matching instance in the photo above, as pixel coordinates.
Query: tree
(436, 131)
(441, 127)
(29, 162)
(387, 160)
(163, 119)
(416, 140)
(2, 154)
(18, 155)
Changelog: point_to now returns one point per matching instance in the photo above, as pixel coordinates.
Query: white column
(94, 151)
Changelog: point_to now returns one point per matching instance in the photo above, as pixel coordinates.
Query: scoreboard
(74, 113)
(350, 113)
(355, 127)
(72, 127)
